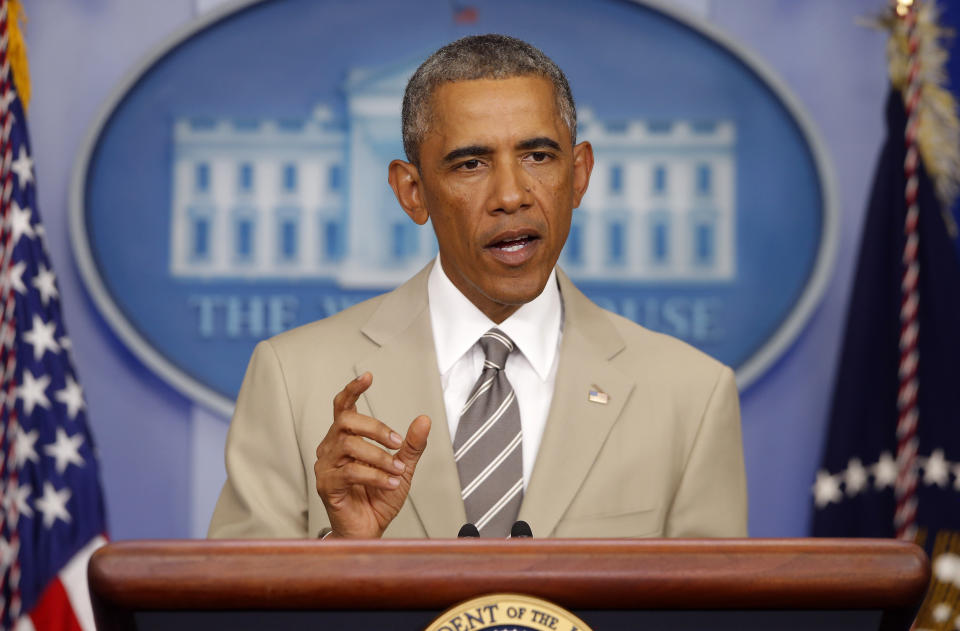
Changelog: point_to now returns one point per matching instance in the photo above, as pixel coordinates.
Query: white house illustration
(308, 198)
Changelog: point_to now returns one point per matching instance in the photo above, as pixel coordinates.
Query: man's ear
(404, 179)
(582, 168)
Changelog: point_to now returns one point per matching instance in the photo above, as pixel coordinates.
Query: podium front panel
(610, 584)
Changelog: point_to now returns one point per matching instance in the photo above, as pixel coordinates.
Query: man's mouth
(515, 247)
(514, 244)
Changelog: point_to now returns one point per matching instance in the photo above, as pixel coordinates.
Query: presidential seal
(507, 612)
(264, 210)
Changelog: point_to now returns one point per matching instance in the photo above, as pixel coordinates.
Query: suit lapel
(406, 384)
(576, 427)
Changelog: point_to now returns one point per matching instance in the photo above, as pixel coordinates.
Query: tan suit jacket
(663, 458)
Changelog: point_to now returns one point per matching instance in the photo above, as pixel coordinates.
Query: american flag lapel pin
(596, 395)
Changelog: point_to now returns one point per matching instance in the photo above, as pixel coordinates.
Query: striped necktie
(487, 446)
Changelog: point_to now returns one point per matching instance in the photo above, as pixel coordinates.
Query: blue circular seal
(230, 191)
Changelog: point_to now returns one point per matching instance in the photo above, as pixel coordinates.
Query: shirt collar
(458, 324)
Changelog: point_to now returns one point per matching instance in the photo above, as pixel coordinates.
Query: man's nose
(512, 188)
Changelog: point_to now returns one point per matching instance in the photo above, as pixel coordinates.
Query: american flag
(52, 508)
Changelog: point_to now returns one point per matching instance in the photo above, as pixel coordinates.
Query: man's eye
(539, 156)
(470, 165)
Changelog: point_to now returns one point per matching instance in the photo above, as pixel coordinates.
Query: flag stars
(46, 283)
(53, 505)
(826, 489)
(884, 471)
(936, 470)
(19, 222)
(33, 392)
(25, 447)
(20, 499)
(72, 397)
(65, 450)
(42, 337)
(13, 279)
(15, 502)
(855, 477)
(23, 167)
(8, 554)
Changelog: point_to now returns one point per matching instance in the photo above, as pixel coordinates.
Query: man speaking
(487, 388)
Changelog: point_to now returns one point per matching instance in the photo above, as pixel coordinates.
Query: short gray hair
(489, 56)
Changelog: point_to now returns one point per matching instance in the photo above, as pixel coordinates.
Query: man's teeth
(515, 245)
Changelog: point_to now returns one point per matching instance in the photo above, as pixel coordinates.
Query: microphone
(521, 530)
(468, 530)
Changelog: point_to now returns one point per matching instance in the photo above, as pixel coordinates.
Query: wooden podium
(610, 584)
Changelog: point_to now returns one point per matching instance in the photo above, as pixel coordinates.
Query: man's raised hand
(362, 485)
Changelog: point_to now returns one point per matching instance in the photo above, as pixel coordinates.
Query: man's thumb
(414, 443)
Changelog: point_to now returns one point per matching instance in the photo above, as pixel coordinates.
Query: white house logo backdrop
(236, 186)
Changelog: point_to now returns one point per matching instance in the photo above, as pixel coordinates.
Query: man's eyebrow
(464, 152)
(540, 142)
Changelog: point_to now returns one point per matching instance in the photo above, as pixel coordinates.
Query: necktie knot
(496, 346)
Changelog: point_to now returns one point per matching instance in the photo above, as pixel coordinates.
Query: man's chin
(500, 294)
(516, 293)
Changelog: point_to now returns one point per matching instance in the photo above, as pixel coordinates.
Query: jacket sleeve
(265, 494)
(711, 498)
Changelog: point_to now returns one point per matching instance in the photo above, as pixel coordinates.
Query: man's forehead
(530, 100)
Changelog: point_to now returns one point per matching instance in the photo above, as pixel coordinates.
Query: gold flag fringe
(941, 606)
(938, 134)
(17, 51)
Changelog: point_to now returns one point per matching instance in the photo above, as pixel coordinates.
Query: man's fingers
(345, 416)
(359, 473)
(371, 455)
(347, 398)
(368, 427)
(415, 442)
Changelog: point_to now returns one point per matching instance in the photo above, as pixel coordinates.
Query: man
(504, 391)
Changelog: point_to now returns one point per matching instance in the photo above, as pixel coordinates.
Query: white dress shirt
(535, 329)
